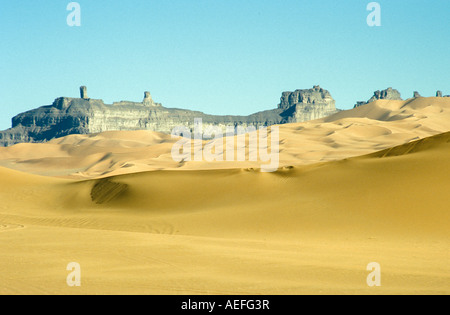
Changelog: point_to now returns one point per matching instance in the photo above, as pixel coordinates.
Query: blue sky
(219, 56)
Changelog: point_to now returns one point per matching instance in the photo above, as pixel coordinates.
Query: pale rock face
(68, 116)
(148, 101)
(316, 95)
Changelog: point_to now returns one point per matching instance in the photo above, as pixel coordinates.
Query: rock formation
(304, 105)
(416, 94)
(148, 101)
(438, 94)
(83, 93)
(388, 94)
(83, 115)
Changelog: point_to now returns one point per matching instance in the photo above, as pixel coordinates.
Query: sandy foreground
(337, 204)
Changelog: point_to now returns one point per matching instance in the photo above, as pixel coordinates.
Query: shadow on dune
(105, 190)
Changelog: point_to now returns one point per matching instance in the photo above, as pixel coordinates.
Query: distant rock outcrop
(83, 115)
(358, 104)
(416, 94)
(83, 93)
(304, 105)
(148, 101)
(439, 94)
(388, 94)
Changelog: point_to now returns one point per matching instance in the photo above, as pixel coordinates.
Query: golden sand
(212, 229)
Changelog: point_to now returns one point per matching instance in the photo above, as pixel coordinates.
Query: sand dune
(370, 128)
(304, 229)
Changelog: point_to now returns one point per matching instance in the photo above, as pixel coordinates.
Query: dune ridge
(366, 129)
(306, 229)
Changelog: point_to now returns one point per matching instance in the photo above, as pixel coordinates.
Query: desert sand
(380, 125)
(365, 185)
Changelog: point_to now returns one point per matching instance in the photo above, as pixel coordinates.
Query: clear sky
(219, 56)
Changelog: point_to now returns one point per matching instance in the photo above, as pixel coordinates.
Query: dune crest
(308, 229)
(369, 128)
